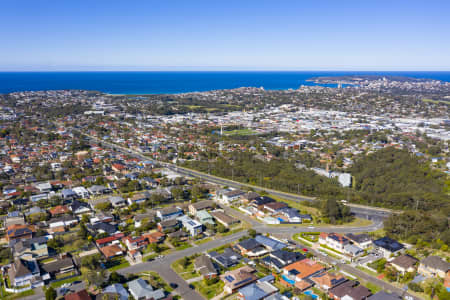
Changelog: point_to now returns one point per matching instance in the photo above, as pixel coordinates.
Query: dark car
(173, 285)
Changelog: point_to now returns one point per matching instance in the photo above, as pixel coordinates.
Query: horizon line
(229, 70)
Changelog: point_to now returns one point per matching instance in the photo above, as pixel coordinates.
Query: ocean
(170, 82)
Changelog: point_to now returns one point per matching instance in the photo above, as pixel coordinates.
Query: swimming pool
(290, 281)
(309, 293)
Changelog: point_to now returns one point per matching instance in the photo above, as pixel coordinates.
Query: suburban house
(334, 240)
(223, 218)
(270, 243)
(115, 239)
(68, 194)
(205, 267)
(353, 250)
(169, 225)
(388, 246)
(404, 263)
(102, 227)
(14, 218)
(80, 295)
(98, 190)
(251, 248)
(434, 266)
(154, 237)
(61, 268)
(202, 205)
(298, 274)
(138, 198)
(249, 196)
(293, 216)
(44, 187)
(79, 207)
(19, 232)
(117, 201)
(349, 290)
(135, 243)
(25, 273)
(261, 201)
(362, 240)
(141, 290)
(117, 291)
(226, 259)
(204, 217)
(111, 251)
(38, 197)
(81, 192)
(192, 226)
(59, 210)
(327, 280)
(34, 247)
(60, 224)
(230, 196)
(274, 207)
(169, 213)
(281, 258)
(238, 278)
(257, 290)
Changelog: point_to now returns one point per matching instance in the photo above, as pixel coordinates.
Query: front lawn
(116, 264)
(68, 280)
(186, 272)
(209, 291)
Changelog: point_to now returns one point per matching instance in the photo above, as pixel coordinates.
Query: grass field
(436, 101)
(244, 131)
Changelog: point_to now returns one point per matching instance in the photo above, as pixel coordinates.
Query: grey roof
(203, 204)
(226, 259)
(204, 265)
(97, 189)
(382, 295)
(353, 249)
(359, 238)
(170, 210)
(249, 244)
(117, 288)
(116, 199)
(26, 244)
(139, 288)
(253, 292)
(388, 244)
(56, 266)
(269, 242)
(21, 268)
(435, 262)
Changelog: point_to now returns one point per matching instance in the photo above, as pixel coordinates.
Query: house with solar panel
(226, 259)
(192, 226)
(269, 243)
(388, 247)
(236, 279)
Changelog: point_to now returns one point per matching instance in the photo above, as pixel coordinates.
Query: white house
(81, 192)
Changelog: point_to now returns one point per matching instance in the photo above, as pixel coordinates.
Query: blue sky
(228, 35)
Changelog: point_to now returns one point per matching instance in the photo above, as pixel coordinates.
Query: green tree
(50, 293)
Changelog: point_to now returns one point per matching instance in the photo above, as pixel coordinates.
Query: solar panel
(229, 278)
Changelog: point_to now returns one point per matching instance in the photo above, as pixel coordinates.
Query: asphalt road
(162, 266)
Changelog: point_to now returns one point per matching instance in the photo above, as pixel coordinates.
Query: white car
(311, 227)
